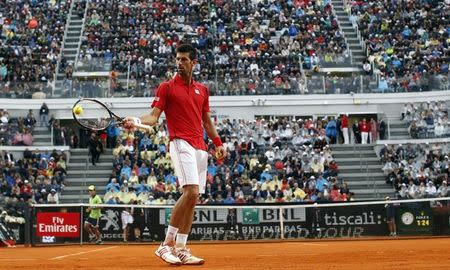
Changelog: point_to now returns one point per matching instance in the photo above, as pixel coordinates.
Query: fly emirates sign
(58, 224)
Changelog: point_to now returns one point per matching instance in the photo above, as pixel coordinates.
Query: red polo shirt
(344, 122)
(184, 106)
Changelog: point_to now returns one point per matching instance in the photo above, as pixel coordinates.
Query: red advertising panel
(58, 224)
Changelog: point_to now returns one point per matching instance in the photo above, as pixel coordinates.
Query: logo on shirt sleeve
(197, 91)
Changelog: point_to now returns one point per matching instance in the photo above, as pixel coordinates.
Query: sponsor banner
(414, 219)
(201, 216)
(58, 224)
(250, 216)
(349, 221)
(145, 219)
(243, 224)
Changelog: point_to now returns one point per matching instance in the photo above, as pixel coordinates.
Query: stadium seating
(16, 131)
(406, 42)
(427, 119)
(417, 171)
(34, 178)
(245, 47)
(259, 169)
(30, 43)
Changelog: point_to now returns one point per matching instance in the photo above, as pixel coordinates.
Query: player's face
(184, 64)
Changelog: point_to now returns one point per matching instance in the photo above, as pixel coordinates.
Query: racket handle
(145, 128)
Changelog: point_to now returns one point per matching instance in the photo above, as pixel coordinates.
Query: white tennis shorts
(190, 164)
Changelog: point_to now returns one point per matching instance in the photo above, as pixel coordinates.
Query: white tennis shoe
(167, 254)
(184, 254)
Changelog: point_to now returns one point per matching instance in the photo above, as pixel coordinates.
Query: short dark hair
(187, 48)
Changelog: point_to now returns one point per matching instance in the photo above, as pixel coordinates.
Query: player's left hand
(221, 153)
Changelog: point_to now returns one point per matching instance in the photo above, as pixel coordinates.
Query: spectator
(53, 197)
(43, 115)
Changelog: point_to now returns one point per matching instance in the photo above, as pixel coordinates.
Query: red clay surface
(367, 254)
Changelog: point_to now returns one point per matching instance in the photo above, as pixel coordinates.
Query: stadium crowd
(427, 119)
(407, 42)
(417, 171)
(30, 44)
(247, 47)
(36, 177)
(259, 169)
(16, 130)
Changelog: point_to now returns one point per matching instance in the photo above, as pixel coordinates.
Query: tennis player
(186, 106)
(95, 213)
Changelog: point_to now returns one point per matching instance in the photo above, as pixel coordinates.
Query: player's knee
(192, 198)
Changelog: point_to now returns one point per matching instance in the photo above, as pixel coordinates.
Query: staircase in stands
(398, 129)
(360, 167)
(42, 136)
(70, 47)
(81, 173)
(350, 34)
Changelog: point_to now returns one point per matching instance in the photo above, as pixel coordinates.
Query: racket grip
(145, 128)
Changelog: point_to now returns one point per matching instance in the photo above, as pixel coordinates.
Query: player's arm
(152, 118)
(210, 129)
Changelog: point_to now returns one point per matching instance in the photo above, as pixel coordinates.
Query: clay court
(341, 254)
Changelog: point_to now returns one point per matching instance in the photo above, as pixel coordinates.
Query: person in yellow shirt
(133, 178)
(171, 188)
(253, 162)
(110, 196)
(142, 197)
(123, 193)
(151, 180)
(147, 155)
(276, 182)
(298, 192)
(119, 150)
(316, 166)
(132, 196)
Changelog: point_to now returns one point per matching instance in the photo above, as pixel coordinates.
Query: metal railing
(63, 42)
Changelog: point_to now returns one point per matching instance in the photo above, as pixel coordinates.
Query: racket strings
(93, 116)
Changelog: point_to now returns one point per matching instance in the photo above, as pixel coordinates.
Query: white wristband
(136, 120)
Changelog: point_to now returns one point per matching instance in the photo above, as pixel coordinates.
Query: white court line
(6, 259)
(80, 253)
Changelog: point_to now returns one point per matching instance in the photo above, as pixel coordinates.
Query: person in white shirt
(413, 190)
(430, 190)
(53, 197)
(439, 130)
(127, 219)
(270, 154)
(443, 190)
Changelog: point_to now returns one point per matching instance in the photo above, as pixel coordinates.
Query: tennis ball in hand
(218, 155)
(77, 110)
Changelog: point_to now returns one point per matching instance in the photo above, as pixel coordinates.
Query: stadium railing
(62, 224)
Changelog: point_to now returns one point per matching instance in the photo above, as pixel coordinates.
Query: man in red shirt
(344, 127)
(186, 106)
(364, 128)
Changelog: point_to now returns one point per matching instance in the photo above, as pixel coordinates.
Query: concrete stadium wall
(246, 107)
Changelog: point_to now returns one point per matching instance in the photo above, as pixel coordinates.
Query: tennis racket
(95, 115)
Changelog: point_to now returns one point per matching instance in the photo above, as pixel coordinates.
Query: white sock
(170, 235)
(181, 240)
